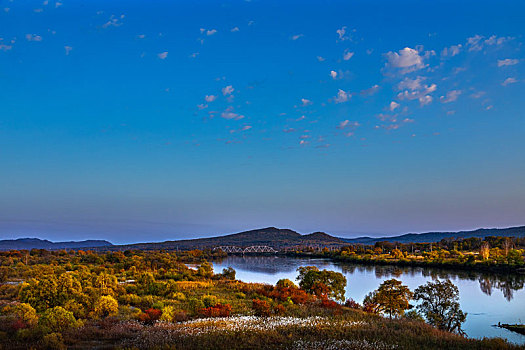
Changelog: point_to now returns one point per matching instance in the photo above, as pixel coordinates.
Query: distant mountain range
(428, 237)
(271, 236)
(35, 243)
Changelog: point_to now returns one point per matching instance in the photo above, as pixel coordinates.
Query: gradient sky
(145, 121)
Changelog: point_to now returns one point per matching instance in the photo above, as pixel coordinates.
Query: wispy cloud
(67, 49)
(163, 55)
(229, 114)
(451, 51)
(227, 90)
(509, 81)
(33, 37)
(507, 62)
(295, 37)
(342, 34)
(306, 102)
(210, 98)
(393, 105)
(114, 21)
(347, 55)
(451, 96)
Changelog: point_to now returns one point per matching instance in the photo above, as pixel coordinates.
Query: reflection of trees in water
(488, 282)
(270, 264)
(506, 283)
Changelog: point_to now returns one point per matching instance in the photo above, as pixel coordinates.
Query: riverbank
(442, 264)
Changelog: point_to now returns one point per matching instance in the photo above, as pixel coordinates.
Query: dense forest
(165, 299)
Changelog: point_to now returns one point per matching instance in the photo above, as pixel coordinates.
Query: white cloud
(68, 49)
(234, 29)
(210, 98)
(342, 34)
(451, 96)
(194, 55)
(211, 32)
(333, 74)
(114, 21)
(347, 124)
(295, 37)
(227, 90)
(4, 47)
(347, 55)
(320, 59)
(246, 127)
(425, 100)
(393, 105)
(413, 89)
(141, 36)
(371, 90)
(507, 62)
(33, 37)
(406, 59)
(477, 42)
(202, 106)
(306, 102)
(451, 51)
(342, 96)
(509, 81)
(163, 55)
(229, 114)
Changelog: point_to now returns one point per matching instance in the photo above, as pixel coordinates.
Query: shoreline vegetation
(137, 299)
(491, 254)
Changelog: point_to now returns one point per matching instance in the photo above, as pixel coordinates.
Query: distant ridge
(518, 231)
(36, 243)
(269, 236)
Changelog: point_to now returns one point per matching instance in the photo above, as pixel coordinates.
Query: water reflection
(488, 282)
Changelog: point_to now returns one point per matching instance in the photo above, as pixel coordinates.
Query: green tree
(58, 320)
(440, 305)
(392, 298)
(323, 283)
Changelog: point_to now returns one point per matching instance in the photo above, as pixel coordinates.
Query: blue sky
(144, 121)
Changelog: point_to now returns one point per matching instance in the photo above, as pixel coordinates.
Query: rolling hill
(270, 236)
(428, 237)
(36, 243)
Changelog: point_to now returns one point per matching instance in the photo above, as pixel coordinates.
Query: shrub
(351, 303)
(209, 300)
(261, 307)
(150, 316)
(219, 310)
(53, 341)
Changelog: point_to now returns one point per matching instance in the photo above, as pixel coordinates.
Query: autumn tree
(440, 305)
(322, 283)
(105, 306)
(392, 298)
(57, 319)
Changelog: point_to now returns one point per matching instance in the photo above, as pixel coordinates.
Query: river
(487, 298)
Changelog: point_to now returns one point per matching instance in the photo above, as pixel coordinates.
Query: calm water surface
(487, 298)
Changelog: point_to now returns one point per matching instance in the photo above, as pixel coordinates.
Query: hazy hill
(270, 236)
(428, 237)
(30, 243)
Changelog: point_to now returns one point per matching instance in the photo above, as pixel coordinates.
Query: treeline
(489, 253)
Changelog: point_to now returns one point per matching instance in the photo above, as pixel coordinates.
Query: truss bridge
(254, 249)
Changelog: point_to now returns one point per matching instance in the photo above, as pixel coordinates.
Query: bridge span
(251, 249)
